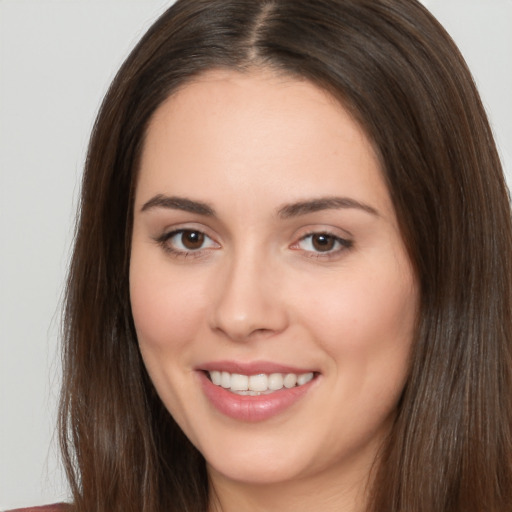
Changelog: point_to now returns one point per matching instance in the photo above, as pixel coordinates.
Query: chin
(249, 460)
(256, 472)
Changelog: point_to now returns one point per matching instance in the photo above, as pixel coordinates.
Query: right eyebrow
(178, 203)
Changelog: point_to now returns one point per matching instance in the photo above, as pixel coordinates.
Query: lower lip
(252, 408)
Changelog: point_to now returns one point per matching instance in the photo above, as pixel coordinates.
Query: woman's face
(266, 258)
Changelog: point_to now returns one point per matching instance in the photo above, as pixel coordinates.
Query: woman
(291, 279)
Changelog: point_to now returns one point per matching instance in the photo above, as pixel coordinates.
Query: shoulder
(57, 507)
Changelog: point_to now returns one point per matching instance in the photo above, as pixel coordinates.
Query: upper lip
(252, 367)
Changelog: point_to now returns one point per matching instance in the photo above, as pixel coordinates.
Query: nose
(248, 303)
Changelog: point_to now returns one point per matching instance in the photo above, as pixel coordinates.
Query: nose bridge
(247, 302)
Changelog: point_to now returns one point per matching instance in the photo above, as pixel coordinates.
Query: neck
(339, 492)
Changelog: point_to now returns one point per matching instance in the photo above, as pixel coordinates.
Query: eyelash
(341, 244)
(166, 238)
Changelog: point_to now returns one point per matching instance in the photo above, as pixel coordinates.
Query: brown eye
(192, 240)
(186, 241)
(322, 242)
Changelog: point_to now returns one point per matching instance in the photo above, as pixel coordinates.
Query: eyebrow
(323, 203)
(178, 203)
(285, 212)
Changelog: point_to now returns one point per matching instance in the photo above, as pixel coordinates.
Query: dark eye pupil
(192, 239)
(323, 242)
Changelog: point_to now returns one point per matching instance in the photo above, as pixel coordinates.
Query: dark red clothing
(57, 507)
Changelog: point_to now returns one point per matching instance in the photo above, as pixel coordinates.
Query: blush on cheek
(162, 319)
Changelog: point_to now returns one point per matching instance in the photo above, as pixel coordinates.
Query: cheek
(165, 309)
(379, 315)
(365, 322)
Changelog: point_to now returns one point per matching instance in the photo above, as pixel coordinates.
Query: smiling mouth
(259, 384)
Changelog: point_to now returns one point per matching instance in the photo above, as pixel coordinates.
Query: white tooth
(216, 377)
(275, 381)
(304, 378)
(258, 382)
(225, 381)
(239, 382)
(290, 380)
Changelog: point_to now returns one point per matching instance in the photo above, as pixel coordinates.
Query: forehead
(256, 132)
(261, 102)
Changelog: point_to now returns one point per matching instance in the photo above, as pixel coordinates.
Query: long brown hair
(401, 76)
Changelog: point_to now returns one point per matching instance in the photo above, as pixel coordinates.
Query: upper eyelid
(322, 232)
(345, 245)
(307, 231)
(185, 226)
(166, 235)
(334, 231)
(178, 253)
(331, 227)
(341, 239)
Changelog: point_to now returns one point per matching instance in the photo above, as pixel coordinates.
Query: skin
(258, 288)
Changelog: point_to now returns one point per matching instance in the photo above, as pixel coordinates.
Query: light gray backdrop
(57, 58)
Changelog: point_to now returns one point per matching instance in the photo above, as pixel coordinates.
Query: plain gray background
(57, 58)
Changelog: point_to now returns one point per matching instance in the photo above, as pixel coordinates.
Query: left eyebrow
(323, 203)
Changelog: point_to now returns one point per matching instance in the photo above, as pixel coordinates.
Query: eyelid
(343, 243)
(164, 241)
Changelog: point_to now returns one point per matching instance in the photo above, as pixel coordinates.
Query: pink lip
(251, 368)
(252, 408)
